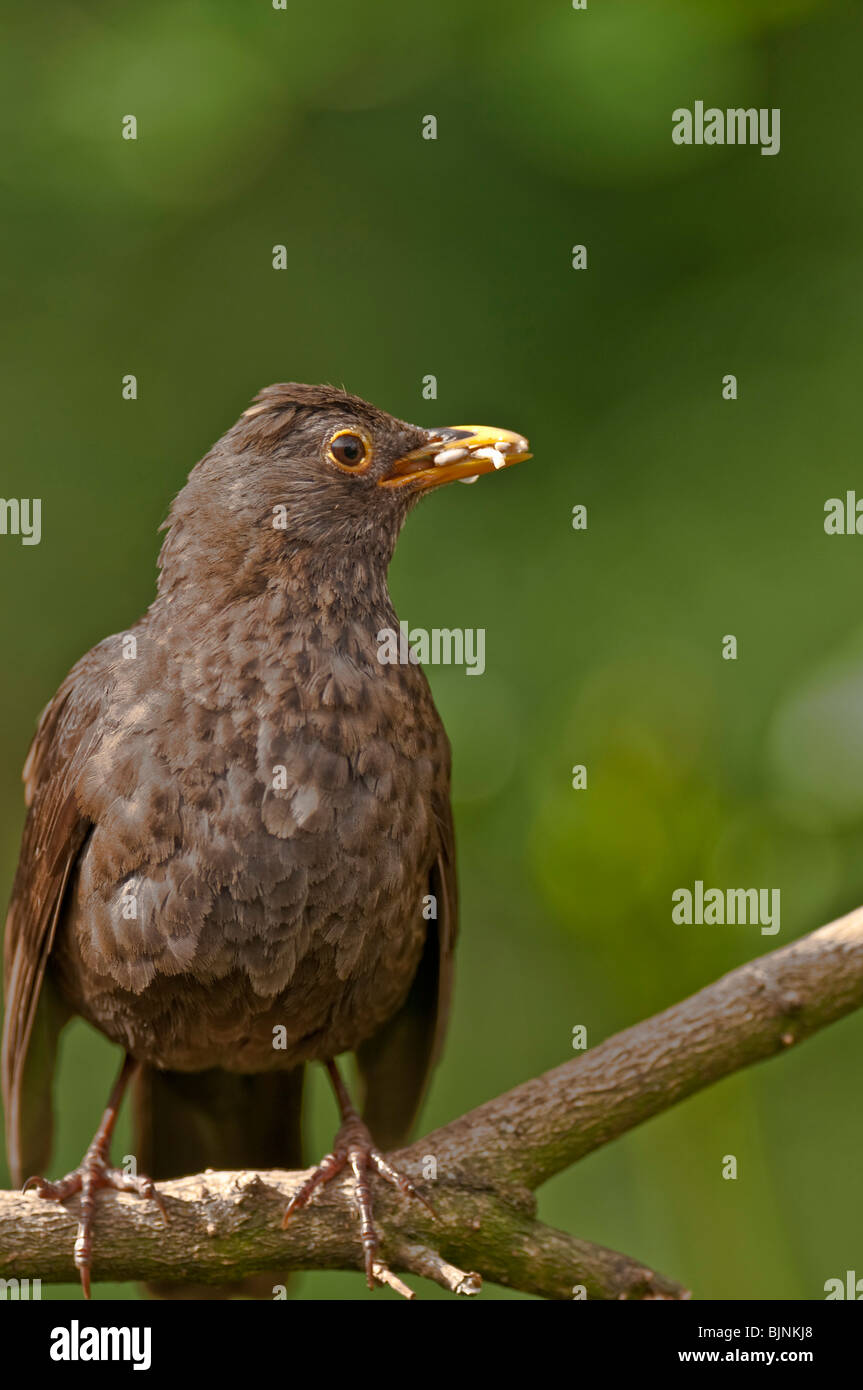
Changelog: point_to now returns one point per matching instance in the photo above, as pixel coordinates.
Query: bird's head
(313, 469)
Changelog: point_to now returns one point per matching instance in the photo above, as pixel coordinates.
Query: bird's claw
(93, 1173)
(355, 1148)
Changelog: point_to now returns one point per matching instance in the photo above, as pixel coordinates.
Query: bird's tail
(188, 1121)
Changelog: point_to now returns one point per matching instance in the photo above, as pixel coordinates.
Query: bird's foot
(355, 1148)
(93, 1173)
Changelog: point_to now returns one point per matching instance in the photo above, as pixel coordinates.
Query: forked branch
(224, 1226)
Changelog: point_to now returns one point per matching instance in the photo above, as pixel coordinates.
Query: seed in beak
(495, 455)
(473, 479)
(450, 455)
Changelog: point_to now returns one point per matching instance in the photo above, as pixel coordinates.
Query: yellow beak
(458, 453)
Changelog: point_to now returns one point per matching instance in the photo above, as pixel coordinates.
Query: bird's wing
(396, 1064)
(54, 834)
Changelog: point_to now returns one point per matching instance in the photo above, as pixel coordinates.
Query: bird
(238, 857)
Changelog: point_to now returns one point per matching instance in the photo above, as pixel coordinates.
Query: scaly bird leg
(94, 1172)
(355, 1148)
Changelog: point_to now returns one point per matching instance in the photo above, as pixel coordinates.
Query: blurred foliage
(406, 256)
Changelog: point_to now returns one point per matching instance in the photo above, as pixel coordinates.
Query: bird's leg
(355, 1148)
(93, 1172)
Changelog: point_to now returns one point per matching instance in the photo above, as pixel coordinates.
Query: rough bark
(226, 1225)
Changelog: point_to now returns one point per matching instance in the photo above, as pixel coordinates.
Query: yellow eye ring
(350, 450)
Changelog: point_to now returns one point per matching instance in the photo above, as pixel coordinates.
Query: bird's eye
(350, 451)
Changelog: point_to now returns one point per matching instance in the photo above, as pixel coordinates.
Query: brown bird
(238, 856)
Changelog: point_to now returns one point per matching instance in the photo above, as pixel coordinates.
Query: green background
(452, 257)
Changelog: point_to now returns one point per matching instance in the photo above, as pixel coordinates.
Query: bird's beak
(458, 453)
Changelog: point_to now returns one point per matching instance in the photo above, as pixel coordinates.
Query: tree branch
(764, 1007)
(224, 1226)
